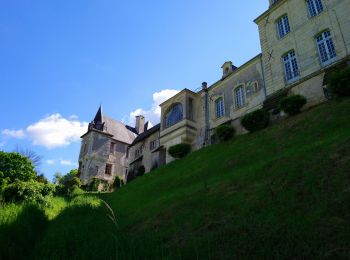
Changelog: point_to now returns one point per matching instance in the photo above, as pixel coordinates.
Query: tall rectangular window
(108, 169)
(239, 97)
(153, 144)
(326, 48)
(290, 66)
(314, 7)
(219, 107)
(190, 108)
(112, 148)
(283, 26)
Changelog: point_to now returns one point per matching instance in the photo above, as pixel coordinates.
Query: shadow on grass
(18, 238)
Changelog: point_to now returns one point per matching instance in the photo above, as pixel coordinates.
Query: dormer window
(227, 68)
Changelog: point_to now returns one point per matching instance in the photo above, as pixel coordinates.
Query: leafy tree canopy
(15, 167)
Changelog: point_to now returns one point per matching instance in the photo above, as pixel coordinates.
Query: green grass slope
(281, 193)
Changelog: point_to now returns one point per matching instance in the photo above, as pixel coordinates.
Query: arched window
(174, 115)
(219, 107)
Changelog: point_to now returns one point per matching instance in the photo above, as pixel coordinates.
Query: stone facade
(301, 40)
(304, 29)
(146, 151)
(103, 152)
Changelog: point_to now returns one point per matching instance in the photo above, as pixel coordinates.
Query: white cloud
(13, 133)
(50, 162)
(67, 163)
(61, 161)
(56, 131)
(52, 131)
(152, 114)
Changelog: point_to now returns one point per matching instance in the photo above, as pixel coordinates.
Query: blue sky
(60, 59)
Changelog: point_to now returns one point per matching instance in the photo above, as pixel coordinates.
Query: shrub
(117, 182)
(75, 191)
(30, 191)
(140, 170)
(292, 104)
(339, 83)
(71, 179)
(225, 132)
(256, 120)
(15, 167)
(179, 150)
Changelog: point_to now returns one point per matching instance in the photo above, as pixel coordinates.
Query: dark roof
(98, 116)
(146, 134)
(133, 129)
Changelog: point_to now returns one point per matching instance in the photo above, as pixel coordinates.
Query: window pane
(219, 107)
(174, 115)
(326, 47)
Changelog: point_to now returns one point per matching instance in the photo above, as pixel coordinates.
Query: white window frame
(219, 107)
(314, 7)
(326, 48)
(283, 26)
(239, 95)
(290, 66)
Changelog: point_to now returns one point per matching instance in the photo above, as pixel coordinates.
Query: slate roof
(119, 131)
(146, 134)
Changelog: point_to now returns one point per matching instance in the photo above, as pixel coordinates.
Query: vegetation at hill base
(279, 193)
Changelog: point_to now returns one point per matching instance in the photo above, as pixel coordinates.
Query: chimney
(140, 124)
(204, 86)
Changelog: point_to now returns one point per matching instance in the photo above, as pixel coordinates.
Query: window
(325, 47)
(153, 144)
(239, 97)
(314, 7)
(290, 66)
(283, 26)
(190, 108)
(112, 148)
(174, 115)
(108, 169)
(120, 147)
(139, 151)
(219, 107)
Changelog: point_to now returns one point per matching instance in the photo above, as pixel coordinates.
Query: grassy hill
(281, 193)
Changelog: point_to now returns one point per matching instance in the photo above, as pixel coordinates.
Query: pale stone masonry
(301, 42)
(103, 152)
(305, 27)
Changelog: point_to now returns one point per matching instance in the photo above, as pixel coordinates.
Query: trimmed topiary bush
(179, 150)
(339, 83)
(292, 104)
(225, 132)
(256, 120)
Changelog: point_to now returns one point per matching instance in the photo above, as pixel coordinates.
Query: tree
(15, 167)
(71, 179)
(35, 158)
(41, 178)
(57, 178)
